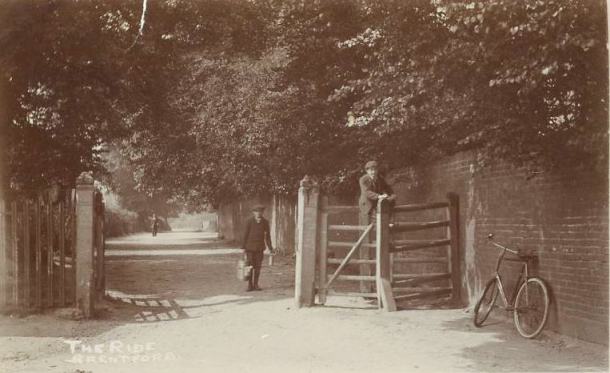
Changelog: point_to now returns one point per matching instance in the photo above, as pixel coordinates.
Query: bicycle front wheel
(531, 307)
(486, 303)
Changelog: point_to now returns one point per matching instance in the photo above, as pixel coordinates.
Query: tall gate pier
(398, 243)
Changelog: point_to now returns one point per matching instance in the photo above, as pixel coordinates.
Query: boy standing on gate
(373, 188)
(256, 239)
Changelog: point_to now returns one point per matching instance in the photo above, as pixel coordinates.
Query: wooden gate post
(454, 248)
(323, 251)
(50, 251)
(3, 254)
(85, 286)
(62, 251)
(383, 274)
(14, 256)
(38, 246)
(306, 248)
(100, 249)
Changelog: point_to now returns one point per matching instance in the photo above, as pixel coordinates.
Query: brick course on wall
(561, 215)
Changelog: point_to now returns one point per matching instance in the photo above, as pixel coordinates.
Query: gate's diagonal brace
(349, 255)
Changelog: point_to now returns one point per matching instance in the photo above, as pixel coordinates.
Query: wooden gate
(333, 243)
(426, 266)
(329, 247)
(39, 252)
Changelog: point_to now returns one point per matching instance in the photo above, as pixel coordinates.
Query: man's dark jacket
(369, 192)
(256, 235)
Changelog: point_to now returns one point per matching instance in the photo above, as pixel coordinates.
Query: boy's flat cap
(370, 164)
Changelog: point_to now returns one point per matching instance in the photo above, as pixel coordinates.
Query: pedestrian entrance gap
(408, 254)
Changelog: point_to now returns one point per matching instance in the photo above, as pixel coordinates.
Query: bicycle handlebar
(490, 237)
(505, 248)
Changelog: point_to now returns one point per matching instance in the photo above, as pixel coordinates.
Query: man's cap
(370, 164)
(258, 208)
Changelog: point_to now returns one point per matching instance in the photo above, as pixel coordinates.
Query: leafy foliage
(73, 86)
(525, 81)
(227, 98)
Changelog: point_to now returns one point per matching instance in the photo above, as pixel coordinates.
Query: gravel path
(174, 304)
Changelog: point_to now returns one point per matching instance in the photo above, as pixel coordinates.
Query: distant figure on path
(155, 225)
(256, 239)
(373, 188)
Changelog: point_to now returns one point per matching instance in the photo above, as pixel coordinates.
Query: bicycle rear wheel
(486, 303)
(531, 307)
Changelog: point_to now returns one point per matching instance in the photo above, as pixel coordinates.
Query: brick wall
(563, 216)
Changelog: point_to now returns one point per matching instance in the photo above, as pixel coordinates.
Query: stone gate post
(307, 225)
(84, 248)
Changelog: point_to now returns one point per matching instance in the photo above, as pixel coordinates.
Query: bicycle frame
(530, 308)
(524, 275)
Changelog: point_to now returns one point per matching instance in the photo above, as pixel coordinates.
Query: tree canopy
(221, 98)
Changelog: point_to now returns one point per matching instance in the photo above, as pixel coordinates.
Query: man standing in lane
(154, 225)
(256, 239)
(372, 189)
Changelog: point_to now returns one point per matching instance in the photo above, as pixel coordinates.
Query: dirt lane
(174, 304)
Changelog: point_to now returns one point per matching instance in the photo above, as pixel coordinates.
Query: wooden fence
(41, 260)
(317, 252)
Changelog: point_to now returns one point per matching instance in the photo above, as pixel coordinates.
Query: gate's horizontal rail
(408, 245)
(355, 278)
(419, 260)
(410, 280)
(409, 227)
(339, 227)
(352, 294)
(353, 261)
(420, 206)
(348, 244)
(424, 293)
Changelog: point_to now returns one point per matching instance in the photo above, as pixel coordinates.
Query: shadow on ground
(174, 287)
(170, 282)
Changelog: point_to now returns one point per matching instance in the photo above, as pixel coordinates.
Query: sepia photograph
(304, 186)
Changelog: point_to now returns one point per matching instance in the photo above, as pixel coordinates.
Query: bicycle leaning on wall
(530, 298)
